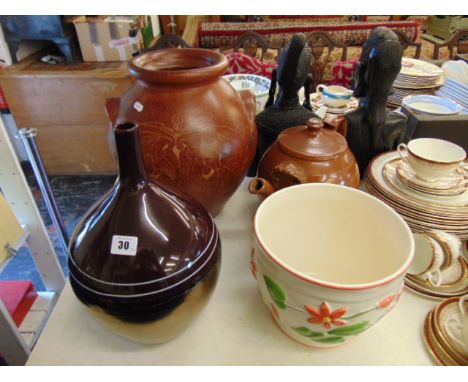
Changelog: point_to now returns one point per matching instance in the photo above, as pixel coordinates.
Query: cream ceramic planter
(329, 261)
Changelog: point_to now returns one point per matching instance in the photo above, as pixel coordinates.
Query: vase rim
(178, 66)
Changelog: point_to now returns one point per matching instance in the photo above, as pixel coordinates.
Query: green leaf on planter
(350, 330)
(330, 340)
(306, 332)
(276, 292)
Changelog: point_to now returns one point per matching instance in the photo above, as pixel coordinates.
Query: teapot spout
(260, 186)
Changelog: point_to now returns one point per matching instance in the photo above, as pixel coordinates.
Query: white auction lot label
(124, 245)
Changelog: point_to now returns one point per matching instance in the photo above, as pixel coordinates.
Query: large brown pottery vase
(145, 259)
(197, 132)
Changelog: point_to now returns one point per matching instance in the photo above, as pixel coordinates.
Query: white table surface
(236, 327)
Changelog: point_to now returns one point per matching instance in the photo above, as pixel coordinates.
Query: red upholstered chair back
(245, 64)
(342, 73)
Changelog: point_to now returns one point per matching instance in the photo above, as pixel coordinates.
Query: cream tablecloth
(236, 327)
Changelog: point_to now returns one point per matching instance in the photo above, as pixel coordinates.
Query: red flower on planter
(326, 316)
(253, 268)
(387, 301)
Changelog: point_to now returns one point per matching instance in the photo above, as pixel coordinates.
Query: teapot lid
(312, 142)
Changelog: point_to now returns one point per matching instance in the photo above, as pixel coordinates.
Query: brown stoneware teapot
(145, 259)
(306, 154)
(198, 134)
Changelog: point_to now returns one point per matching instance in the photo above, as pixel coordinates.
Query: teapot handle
(250, 103)
(289, 172)
(337, 123)
(112, 108)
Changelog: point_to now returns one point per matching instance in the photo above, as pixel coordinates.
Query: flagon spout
(260, 186)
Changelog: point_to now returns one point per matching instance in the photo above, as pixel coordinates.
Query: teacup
(456, 325)
(329, 261)
(428, 259)
(335, 96)
(432, 159)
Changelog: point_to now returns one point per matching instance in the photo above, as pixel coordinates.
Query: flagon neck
(132, 171)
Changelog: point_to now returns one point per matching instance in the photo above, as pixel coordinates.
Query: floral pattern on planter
(386, 302)
(325, 315)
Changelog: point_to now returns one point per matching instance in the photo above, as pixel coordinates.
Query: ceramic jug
(306, 154)
(145, 259)
(198, 133)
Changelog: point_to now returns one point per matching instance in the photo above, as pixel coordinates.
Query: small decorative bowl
(329, 261)
(261, 86)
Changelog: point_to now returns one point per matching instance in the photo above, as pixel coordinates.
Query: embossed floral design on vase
(197, 132)
(328, 326)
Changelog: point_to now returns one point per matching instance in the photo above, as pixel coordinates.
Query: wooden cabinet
(67, 106)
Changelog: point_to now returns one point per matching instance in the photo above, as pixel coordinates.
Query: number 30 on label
(124, 245)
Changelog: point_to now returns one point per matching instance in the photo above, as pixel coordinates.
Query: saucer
(435, 348)
(408, 176)
(316, 101)
(455, 282)
(390, 175)
(444, 311)
(429, 104)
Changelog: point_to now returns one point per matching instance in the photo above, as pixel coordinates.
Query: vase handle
(250, 104)
(112, 108)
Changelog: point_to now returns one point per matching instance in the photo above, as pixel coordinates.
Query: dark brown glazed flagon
(306, 154)
(153, 293)
(198, 135)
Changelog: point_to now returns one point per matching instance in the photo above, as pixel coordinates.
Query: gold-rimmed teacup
(441, 334)
(429, 257)
(434, 347)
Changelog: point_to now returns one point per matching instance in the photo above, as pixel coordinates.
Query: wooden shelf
(67, 106)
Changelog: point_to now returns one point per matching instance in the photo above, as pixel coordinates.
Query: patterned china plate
(412, 85)
(441, 314)
(423, 220)
(262, 84)
(433, 346)
(421, 212)
(452, 185)
(419, 68)
(420, 215)
(458, 288)
(317, 102)
(420, 222)
(389, 178)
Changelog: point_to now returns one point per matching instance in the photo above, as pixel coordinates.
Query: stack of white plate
(455, 91)
(415, 77)
(441, 205)
(417, 74)
(456, 70)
